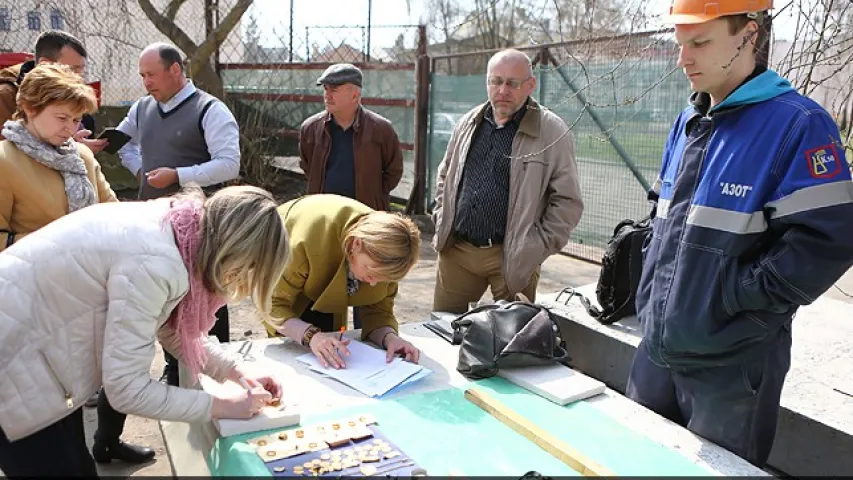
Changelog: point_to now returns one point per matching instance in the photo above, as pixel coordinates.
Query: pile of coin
(362, 456)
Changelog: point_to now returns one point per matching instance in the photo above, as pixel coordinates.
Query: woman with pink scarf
(86, 297)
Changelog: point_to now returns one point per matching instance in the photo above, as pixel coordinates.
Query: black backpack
(621, 268)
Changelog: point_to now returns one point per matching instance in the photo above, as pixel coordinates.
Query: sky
(273, 18)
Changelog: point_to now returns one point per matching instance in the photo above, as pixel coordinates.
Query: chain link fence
(271, 84)
(619, 95)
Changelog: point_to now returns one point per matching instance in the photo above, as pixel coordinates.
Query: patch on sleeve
(823, 161)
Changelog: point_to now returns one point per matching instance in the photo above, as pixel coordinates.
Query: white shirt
(221, 135)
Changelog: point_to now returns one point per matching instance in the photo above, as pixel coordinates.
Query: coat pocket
(69, 400)
(698, 320)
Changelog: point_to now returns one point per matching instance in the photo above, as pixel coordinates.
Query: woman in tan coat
(44, 174)
(343, 254)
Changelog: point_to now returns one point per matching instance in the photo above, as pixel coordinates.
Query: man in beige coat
(507, 194)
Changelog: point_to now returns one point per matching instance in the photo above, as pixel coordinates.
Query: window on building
(5, 20)
(57, 22)
(34, 20)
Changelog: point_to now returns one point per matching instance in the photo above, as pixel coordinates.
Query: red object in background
(96, 86)
(13, 58)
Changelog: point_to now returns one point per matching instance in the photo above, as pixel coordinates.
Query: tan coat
(32, 195)
(545, 202)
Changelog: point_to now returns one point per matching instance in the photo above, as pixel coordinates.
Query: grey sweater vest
(174, 139)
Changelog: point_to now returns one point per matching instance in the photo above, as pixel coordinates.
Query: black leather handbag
(506, 335)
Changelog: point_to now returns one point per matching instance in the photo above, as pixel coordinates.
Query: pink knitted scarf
(195, 314)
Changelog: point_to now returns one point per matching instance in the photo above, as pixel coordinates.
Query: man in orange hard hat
(752, 221)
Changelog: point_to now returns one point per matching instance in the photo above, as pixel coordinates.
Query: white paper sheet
(366, 370)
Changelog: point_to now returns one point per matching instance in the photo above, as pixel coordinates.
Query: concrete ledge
(815, 430)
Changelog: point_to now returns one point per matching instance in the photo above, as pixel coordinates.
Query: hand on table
(328, 348)
(394, 345)
(241, 404)
(257, 375)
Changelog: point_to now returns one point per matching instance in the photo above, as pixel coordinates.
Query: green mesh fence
(631, 87)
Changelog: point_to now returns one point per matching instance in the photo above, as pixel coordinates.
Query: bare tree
(198, 54)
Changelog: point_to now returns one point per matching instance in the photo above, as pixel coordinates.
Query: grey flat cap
(339, 74)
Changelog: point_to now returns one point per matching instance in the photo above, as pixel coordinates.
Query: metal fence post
(417, 197)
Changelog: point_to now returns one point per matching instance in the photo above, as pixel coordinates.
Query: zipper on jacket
(679, 245)
(69, 401)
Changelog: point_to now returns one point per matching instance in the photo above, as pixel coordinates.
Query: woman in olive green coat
(343, 253)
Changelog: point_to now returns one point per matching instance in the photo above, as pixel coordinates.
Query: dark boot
(125, 452)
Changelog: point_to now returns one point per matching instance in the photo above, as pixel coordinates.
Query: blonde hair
(52, 83)
(389, 239)
(244, 247)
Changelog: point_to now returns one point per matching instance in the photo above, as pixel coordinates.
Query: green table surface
(445, 433)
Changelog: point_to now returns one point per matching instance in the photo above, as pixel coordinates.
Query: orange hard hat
(700, 11)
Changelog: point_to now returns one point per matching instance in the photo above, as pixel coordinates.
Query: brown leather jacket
(378, 156)
(8, 93)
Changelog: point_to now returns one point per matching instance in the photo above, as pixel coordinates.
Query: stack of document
(367, 371)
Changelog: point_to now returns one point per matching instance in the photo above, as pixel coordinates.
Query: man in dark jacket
(753, 221)
(347, 149)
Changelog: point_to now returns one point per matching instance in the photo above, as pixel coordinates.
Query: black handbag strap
(591, 309)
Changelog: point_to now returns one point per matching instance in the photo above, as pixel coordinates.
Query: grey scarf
(64, 159)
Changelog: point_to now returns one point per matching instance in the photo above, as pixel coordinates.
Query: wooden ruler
(551, 444)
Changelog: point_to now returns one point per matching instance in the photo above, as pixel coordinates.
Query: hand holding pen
(329, 349)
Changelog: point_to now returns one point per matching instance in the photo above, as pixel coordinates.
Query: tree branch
(168, 28)
(173, 7)
(217, 38)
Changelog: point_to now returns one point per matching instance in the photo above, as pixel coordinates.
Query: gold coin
(392, 454)
(312, 445)
(362, 419)
(336, 426)
(300, 434)
(371, 459)
(368, 470)
(351, 423)
(307, 464)
(270, 453)
(298, 470)
(282, 436)
(316, 461)
(325, 456)
(279, 469)
(261, 443)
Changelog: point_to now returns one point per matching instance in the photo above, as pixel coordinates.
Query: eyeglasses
(509, 82)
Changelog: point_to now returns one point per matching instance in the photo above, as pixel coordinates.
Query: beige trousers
(465, 271)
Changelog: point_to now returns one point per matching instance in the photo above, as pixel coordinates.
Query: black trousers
(736, 407)
(58, 450)
(111, 421)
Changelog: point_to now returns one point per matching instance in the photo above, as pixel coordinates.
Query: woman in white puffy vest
(86, 297)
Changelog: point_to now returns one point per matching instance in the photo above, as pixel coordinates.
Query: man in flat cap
(347, 149)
